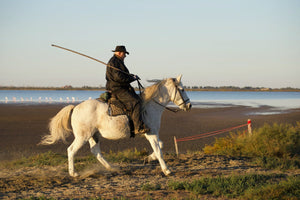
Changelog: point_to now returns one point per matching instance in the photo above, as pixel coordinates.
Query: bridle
(177, 91)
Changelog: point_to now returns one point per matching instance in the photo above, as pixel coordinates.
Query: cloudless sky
(212, 43)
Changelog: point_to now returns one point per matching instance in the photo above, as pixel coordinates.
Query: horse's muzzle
(188, 107)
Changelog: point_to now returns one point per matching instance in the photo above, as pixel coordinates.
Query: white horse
(90, 119)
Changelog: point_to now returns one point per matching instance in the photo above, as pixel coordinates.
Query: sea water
(201, 99)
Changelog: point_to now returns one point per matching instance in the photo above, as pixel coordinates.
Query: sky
(211, 43)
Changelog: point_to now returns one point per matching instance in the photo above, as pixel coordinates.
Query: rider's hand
(136, 77)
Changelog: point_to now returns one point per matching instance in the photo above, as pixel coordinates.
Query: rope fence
(212, 133)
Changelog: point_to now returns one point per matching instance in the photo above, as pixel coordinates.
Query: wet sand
(22, 126)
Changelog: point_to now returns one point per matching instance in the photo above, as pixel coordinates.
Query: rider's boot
(142, 129)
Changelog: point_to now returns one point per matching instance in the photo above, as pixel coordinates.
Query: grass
(100, 198)
(253, 186)
(45, 159)
(287, 189)
(54, 159)
(150, 187)
(40, 198)
(274, 146)
(126, 156)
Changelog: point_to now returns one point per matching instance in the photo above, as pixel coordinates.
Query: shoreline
(260, 110)
(22, 127)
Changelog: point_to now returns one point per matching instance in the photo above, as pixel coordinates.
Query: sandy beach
(22, 126)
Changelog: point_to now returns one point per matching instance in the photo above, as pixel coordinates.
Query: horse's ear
(179, 78)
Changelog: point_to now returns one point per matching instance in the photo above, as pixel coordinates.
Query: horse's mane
(152, 91)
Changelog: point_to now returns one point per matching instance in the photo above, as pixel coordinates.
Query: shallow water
(278, 101)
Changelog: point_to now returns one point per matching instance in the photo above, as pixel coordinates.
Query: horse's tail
(60, 126)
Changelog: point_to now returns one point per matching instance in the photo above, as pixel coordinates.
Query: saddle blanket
(115, 107)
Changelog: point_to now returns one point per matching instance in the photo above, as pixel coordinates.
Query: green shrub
(275, 141)
(276, 146)
(277, 163)
(287, 189)
(232, 186)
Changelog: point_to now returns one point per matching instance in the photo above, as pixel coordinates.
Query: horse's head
(178, 95)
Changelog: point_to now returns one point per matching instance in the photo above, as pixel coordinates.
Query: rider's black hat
(120, 49)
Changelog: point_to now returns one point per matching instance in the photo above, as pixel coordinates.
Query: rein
(141, 87)
(167, 108)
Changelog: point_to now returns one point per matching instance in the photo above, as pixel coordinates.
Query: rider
(118, 83)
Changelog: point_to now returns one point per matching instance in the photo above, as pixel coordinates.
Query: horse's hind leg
(95, 149)
(72, 150)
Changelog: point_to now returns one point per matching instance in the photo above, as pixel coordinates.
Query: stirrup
(142, 131)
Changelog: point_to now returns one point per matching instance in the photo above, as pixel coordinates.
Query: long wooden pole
(176, 146)
(91, 58)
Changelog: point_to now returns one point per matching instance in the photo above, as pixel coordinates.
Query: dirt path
(132, 180)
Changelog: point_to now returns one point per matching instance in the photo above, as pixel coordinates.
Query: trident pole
(91, 58)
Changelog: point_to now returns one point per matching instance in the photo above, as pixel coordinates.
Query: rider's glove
(136, 77)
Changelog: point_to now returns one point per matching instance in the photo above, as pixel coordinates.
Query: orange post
(249, 127)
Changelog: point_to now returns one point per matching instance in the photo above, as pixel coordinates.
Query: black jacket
(116, 79)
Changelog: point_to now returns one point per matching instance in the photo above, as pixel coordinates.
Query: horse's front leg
(155, 144)
(153, 156)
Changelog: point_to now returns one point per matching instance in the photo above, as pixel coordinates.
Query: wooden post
(249, 127)
(176, 146)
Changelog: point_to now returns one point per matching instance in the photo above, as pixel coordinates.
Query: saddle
(115, 106)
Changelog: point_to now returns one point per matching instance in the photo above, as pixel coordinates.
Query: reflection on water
(277, 103)
(268, 113)
(271, 106)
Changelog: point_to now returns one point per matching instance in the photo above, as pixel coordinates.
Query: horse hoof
(74, 174)
(167, 172)
(146, 160)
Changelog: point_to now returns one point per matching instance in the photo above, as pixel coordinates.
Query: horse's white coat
(90, 118)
